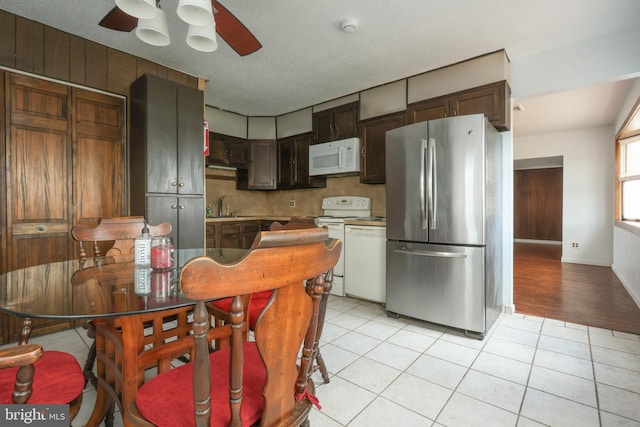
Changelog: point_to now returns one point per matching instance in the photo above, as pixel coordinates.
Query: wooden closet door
(538, 204)
(37, 158)
(99, 173)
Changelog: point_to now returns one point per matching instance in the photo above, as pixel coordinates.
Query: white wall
(588, 189)
(626, 245)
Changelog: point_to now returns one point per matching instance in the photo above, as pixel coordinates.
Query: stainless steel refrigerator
(444, 205)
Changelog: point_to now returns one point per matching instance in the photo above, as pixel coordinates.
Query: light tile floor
(528, 371)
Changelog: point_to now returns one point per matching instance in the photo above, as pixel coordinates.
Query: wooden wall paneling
(121, 71)
(29, 46)
(96, 65)
(8, 37)
(56, 54)
(99, 173)
(177, 77)
(144, 66)
(3, 185)
(77, 60)
(162, 72)
(194, 82)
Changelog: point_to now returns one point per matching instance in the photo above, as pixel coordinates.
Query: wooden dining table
(138, 313)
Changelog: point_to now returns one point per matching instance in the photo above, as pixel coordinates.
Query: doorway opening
(543, 285)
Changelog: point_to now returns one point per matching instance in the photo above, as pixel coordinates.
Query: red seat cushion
(167, 399)
(58, 379)
(258, 301)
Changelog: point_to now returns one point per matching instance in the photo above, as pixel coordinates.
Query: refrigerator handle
(433, 184)
(423, 197)
(441, 254)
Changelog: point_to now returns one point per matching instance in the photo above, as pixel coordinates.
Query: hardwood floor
(585, 294)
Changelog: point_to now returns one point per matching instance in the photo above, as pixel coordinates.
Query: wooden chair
(116, 234)
(111, 237)
(249, 381)
(297, 222)
(221, 309)
(30, 375)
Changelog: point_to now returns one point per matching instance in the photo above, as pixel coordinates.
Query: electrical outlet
(574, 245)
(292, 203)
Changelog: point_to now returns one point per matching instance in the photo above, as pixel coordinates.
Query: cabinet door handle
(174, 206)
(174, 183)
(181, 207)
(181, 184)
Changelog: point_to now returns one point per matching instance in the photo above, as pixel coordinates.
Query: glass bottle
(142, 247)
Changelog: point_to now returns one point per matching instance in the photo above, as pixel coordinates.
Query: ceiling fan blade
(117, 20)
(234, 32)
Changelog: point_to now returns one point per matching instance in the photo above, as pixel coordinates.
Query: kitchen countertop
(367, 221)
(378, 222)
(247, 218)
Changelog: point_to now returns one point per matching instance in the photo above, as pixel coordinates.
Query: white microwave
(335, 157)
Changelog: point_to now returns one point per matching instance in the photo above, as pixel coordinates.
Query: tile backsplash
(276, 203)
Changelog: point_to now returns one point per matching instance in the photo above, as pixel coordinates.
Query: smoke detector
(349, 25)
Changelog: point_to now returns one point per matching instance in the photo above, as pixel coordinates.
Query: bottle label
(143, 281)
(142, 249)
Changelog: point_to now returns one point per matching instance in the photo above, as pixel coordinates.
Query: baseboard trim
(585, 262)
(626, 285)
(538, 242)
(508, 309)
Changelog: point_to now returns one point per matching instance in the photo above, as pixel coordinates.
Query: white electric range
(335, 211)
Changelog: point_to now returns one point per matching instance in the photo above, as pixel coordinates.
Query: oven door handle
(333, 226)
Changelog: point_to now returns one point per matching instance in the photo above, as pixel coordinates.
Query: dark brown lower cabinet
(238, 234)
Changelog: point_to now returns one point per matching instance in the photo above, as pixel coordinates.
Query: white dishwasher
(365, 262)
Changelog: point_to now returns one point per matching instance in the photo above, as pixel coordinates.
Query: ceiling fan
(232, 31)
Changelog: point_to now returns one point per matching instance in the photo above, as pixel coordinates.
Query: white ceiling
(306, 59)
(588, 107)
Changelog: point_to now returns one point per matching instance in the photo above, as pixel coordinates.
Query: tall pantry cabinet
(166, 157)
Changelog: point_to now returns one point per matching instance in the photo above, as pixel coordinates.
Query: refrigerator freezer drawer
(437, 283)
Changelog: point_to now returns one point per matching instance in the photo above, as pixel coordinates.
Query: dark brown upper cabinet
(492, 100)
(336, 123)
(293, 164)
(225, 150)
(262, 166)
(372, 149)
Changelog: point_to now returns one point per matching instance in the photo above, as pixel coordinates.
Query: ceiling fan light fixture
(195, 12)
(141, 9)
(154, 31)
(202, 38)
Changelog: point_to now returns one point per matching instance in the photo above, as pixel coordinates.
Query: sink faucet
(220, 205)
